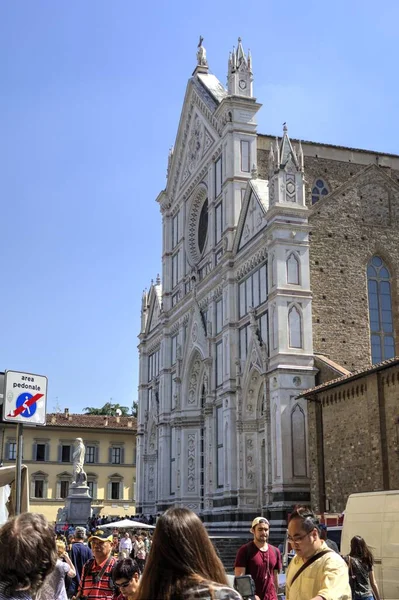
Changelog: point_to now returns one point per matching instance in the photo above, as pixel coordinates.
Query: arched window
(298, 433)
(293, 269)
(319, 190)
(380, 311)
(294, 328)
(203, 227)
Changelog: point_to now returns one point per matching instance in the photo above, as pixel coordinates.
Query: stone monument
(78, 502)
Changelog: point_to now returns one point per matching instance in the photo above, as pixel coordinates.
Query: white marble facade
(226, 332)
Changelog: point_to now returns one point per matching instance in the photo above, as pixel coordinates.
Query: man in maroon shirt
(261, 560)
(96, 580)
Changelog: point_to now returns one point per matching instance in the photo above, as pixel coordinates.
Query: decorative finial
(254, 172)
(239, 40)
(158, 280)
(201, 54)
(285, 128)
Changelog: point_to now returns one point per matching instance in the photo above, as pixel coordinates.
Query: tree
(108, 409)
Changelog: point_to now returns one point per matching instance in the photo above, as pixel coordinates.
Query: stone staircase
(227, 547)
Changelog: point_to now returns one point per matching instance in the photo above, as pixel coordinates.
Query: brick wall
(351, 444)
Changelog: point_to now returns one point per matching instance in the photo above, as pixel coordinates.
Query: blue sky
(91, 94)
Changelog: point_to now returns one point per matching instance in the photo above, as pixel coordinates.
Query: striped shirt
(90, 586)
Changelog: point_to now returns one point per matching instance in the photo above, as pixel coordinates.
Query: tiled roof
(354, 375)
(66, 419)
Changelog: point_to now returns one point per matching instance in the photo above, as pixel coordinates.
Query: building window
(218, 222)
(203, 227)
(40, 452)
(219, 315)
(252, 291)
(153, 365)
(116, 455)
(319, 190)
(39, 488)
(219, 363)
(175, 230)
(245, 157)
(65, 454)
(90, 454)
(293, 269)
(64, 489)
(12, 451)
(174, 349)
(90, 485)
(38, 485)
(175, 269)
(294, 328)
(115, 487)
(218, 177)
(243, 342)
(380, 311)
(115, 490)
(219, 442)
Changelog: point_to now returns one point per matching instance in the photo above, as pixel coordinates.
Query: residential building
(110, 461)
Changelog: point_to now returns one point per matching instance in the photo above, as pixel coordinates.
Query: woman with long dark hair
(182, 563)
(361, 573)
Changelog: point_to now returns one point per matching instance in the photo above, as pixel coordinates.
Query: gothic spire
(286, 150)
(239, 77)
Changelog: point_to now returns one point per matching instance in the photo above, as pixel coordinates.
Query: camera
(244, 584)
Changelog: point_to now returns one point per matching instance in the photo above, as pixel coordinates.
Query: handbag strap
(307, 564)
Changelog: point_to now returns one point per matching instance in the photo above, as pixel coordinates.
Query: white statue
(78, 457)
(201, 54)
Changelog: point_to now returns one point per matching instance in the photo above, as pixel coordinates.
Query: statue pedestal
(78, 504)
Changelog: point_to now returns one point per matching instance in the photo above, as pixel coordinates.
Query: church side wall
(346, 231)
(357, 458)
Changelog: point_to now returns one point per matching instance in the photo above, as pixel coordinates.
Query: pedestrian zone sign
(25, 398)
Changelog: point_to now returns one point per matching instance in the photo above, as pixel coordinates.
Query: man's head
(80, 533)
(78, 441)
(260, 530)
(101, 545)
(125, 575)
(28, 552)
(304, 533)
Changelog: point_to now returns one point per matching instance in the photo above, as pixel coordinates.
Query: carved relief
(250, 463)
(191, 462)
(193, 384)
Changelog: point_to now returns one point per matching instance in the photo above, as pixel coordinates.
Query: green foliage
(108, 409)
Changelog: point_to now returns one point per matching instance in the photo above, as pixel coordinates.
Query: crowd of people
(179, 562)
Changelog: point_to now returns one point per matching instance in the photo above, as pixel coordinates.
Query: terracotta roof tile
(90, 421)
(354, 375)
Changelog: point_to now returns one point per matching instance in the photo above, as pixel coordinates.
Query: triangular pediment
(197, 133)
(362, 194)
(198, 143)
(253, 213)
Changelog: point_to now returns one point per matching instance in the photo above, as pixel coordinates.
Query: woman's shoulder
(202, 591)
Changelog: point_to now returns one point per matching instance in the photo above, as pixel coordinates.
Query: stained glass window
(319, 190)
(380, 311)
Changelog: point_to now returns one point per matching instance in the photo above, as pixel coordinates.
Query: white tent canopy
(128, 524)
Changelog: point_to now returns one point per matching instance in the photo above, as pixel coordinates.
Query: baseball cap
(101, 535)
(258, 520)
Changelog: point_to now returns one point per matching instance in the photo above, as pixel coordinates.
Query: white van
(375, 517)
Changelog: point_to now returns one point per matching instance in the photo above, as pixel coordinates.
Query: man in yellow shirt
(316, 572)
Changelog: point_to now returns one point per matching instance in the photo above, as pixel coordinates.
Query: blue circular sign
(29, 410)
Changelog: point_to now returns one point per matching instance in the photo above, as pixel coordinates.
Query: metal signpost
(24, 403)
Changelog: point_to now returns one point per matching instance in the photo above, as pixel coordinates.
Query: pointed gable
(198, 130)
(253, 212)
(154, 301)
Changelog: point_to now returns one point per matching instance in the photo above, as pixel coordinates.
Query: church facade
(268, 287)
